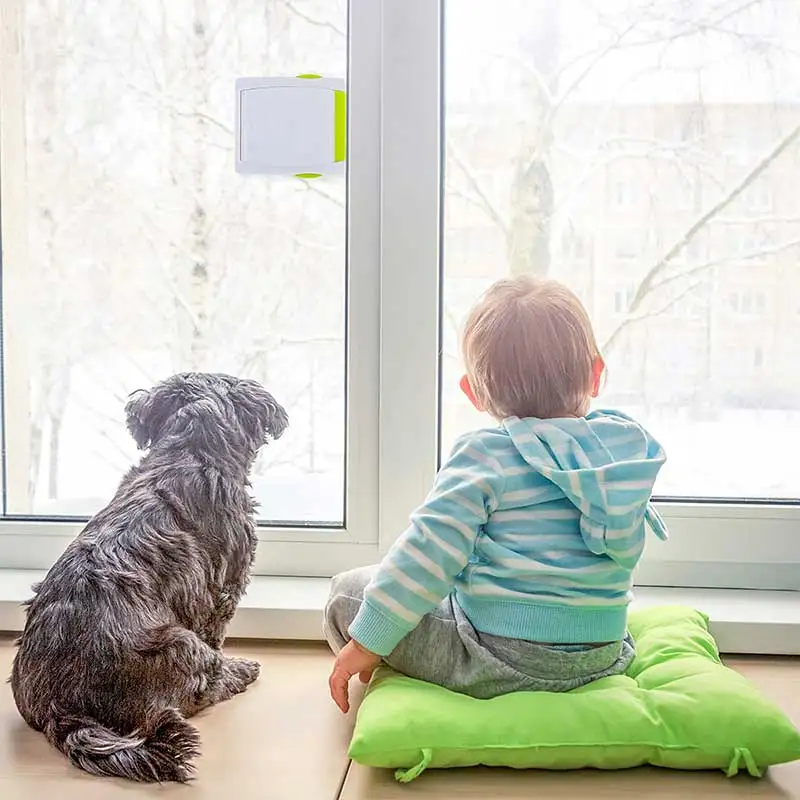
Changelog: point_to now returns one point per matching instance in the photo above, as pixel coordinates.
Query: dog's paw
(245, 670)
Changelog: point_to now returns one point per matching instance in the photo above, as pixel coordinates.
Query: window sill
(743, 621)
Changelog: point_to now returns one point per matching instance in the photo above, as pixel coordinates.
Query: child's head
(530, 351)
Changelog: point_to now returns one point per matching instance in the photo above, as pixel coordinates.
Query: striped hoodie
(536, 526)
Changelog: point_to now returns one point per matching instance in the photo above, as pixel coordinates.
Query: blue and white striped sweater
(535, 525)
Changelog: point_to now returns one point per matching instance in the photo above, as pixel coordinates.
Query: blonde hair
(529, 350)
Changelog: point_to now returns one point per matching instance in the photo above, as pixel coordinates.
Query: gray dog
(123, 637)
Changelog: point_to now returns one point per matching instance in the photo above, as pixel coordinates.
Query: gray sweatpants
(445, 649)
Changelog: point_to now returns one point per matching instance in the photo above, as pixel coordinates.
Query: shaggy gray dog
(123, 637)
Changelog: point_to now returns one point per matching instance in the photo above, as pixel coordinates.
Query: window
(574, 245)
(748, 302)
(753, 244)
(623, 194)
(758, 196)
(132, 250)
(695, 250)
(685, 194)
(743, 144)
(346, 297)
(622, 300)
(707, 485)
(626, 246)
(686, 124)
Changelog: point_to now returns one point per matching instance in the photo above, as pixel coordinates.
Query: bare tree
(657, 276)
(53, 197)
(547, 79)
(148, 253)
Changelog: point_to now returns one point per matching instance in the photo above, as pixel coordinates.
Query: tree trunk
(49, 357)
(198, 247)
(532, 197)
(57, 403)
(186, 55)
(52, 472)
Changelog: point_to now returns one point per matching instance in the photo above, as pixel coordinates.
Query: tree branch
(297, 340)
(169, 279)
(475, 202)
(661, 152)
(474, 184)
(671, 303)
(593, 62)
(617, 43)
(701, 268)
(529, 69)
(312, 186)
(292, 235)
(317, 23)
(178, 112)
(630, 320)
(648, 283)
(203, 116)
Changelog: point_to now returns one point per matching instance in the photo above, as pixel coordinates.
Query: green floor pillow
(677, 706)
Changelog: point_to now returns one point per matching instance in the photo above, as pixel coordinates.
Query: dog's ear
(147, 412)
(276, 420)
(259, 413)
(138, 416)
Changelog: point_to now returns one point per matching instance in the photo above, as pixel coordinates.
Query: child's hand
(352, 660)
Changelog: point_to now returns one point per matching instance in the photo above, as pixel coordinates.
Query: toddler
(515, 574)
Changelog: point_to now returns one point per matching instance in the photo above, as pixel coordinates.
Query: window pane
(647, 154)
(136, 251)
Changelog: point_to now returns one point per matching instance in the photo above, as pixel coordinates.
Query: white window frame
(712, 544)
(394, 297)
(382, 417)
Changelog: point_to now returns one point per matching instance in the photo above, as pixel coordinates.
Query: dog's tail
(158, 752)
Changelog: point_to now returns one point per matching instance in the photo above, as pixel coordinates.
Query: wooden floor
(284, 739)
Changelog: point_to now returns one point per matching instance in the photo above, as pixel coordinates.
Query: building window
(623, 299)
(624, 194)
(626, 247)
(748, 303)
(575, 246)
(758, 196)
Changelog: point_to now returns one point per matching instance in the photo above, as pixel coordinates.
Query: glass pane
(647, 154)
(139, 252)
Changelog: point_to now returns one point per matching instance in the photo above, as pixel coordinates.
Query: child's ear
(466, 387)
(598, 368)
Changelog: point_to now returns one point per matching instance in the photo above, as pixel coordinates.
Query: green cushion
(677, 706)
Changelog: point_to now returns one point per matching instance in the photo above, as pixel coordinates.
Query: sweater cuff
(376, 632)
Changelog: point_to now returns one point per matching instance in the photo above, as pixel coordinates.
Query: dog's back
(93, 670)
(122, 638)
